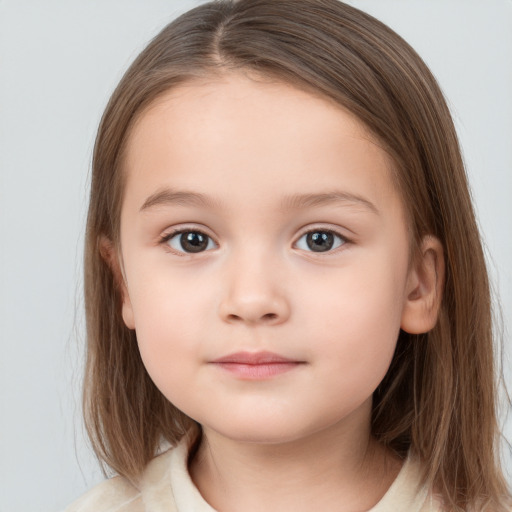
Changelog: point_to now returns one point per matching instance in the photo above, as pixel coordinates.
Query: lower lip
(257, 371)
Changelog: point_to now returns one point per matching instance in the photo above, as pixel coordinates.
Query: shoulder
(408, 493)
(117, 494)
(113, 495)
(164, 482)
(433, 503)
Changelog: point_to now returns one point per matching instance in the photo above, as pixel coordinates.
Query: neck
(342, 468)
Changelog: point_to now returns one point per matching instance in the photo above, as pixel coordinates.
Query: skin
(248, 145)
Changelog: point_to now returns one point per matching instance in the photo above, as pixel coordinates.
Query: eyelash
(343, 239)
(166, 238)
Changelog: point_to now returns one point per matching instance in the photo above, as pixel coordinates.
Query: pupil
(193, 241)
(320, 241)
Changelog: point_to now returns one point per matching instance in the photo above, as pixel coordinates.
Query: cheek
(168, 316)
(357, 319)
(167, 302)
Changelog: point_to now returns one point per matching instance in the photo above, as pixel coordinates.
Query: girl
(286, 296)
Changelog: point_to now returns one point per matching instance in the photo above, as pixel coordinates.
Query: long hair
(438, 399)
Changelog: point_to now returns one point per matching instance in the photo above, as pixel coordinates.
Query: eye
(320, 241)
(189, 241)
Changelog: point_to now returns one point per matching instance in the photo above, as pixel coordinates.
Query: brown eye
(190, 242)
(320, 241)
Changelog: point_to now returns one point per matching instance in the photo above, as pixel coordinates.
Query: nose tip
(268, 307)
(254, 290)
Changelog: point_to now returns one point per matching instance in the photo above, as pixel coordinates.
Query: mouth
(256, 365)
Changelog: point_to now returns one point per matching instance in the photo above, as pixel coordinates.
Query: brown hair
(438, 399)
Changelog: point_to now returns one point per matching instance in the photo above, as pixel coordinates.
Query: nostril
(267, 317)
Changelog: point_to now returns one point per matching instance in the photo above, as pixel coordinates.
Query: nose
(253, 293)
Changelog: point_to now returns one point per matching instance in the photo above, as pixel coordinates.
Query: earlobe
(424, 288)
(127, 312)
(111, 257)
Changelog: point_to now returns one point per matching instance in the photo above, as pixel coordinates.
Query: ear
(424, 290)
(112, 258)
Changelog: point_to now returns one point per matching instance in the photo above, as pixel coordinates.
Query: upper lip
(254, 358)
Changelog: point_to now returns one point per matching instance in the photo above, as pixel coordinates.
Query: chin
(260, 431)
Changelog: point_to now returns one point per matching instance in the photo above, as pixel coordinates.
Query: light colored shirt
(166, 486)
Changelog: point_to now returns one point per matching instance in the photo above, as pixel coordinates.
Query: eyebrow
(168, 196)
(178, 197)
(299, 201)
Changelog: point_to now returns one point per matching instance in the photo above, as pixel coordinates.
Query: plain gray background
(59, 62)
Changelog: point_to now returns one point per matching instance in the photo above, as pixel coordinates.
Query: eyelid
(325, 229)
(170, 233)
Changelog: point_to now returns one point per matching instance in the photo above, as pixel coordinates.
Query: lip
(254, 358)
(256, 365)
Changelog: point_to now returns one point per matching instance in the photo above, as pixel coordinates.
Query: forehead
(233, 95)
(251, 133)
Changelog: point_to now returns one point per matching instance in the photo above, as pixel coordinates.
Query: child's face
(249, 169)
